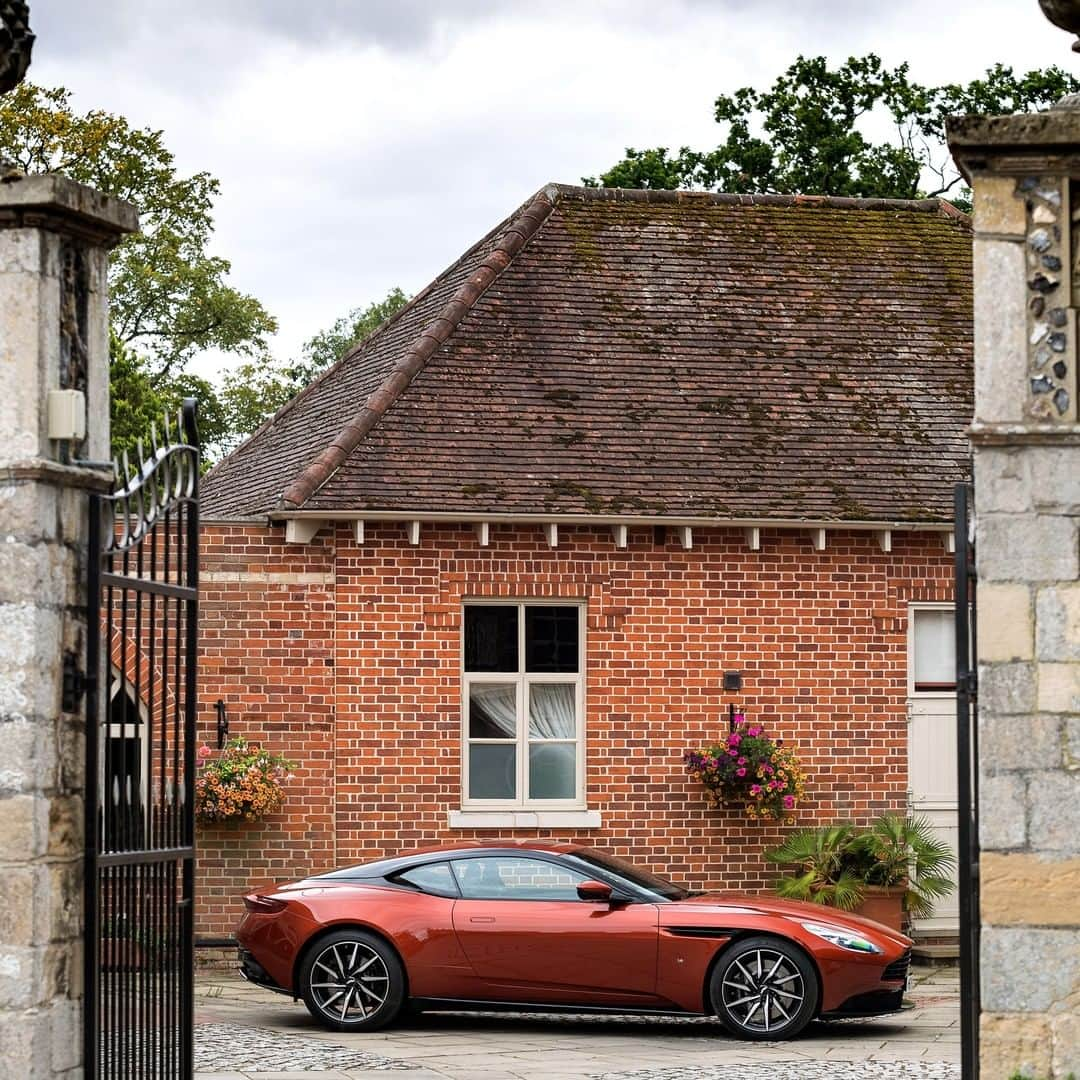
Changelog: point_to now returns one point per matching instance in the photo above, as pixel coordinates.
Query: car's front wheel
(764, 988)
(352, 981)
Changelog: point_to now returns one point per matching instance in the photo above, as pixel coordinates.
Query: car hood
(744, 903)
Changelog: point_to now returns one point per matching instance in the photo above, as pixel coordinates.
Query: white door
(932, 741)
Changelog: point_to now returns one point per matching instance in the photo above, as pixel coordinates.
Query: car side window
(434, 878)
(511, 877)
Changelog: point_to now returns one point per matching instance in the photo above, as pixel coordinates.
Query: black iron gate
(967, 780)
(140, 763)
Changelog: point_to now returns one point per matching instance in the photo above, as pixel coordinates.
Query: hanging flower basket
(243, 784)
(750, 770)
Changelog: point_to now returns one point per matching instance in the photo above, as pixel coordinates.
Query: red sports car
(560, 928)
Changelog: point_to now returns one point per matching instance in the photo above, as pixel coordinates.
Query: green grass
(1024, 1076)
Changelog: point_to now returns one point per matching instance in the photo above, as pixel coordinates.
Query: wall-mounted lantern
(732, 685)
(222, 723)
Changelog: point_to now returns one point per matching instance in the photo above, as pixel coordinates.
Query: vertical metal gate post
(967, 782)
(140, 755)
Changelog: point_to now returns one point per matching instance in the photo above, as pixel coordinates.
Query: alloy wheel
(763, 991)
(349, 982)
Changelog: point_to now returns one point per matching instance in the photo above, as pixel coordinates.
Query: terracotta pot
(884, 904)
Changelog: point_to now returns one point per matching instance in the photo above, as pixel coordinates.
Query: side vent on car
(700, 931)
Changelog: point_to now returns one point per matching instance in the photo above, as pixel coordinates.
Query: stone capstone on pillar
(54, 237)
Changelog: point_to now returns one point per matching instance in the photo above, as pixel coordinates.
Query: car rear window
(434, 878)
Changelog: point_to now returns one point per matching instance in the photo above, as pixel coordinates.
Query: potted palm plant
(893, 869)
(905, 867)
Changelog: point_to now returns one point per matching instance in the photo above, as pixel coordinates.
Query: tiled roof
(677, 355)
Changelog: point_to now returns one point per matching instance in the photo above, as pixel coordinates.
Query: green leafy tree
(807, 133)
(140, 399)
(255, 390)
(169, 298)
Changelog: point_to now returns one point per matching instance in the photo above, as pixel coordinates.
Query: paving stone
(800, 1070)
(230, 1047)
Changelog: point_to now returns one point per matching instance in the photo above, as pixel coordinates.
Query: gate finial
(16, 43)
(1064, 13)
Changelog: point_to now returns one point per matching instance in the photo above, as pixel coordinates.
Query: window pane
(935, 650)
(551, 639)
(551, 711)
(435, 878)
(491, 637)
(492, 711)
(492, 771)
(509, 877)
(551, 771)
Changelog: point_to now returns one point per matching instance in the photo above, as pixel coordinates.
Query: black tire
(764, 988)
(351, 980)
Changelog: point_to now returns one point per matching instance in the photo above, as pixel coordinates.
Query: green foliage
(824, 858)
(328, 346)
(837, 862)
(139, 398)
(806, 133)
(1025, 1076)
(168, 296)
(255, 390)
(898, 850)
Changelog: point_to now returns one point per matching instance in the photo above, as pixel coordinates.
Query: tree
(807, 133)
(168, 297)
(254, 391)
(139, 399)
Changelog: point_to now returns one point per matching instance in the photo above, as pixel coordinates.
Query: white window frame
(523, 680)
(913, 607)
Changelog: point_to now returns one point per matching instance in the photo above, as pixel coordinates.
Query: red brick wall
(353, 670)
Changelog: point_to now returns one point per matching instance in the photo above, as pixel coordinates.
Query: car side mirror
(594, 890)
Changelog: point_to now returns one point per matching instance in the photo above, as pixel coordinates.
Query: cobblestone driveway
(246, 1032)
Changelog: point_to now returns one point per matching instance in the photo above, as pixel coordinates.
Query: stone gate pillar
(1025, 175)
(54, 356)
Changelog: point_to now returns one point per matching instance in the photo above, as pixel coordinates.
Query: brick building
(486, 574)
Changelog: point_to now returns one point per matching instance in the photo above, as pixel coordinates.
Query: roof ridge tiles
(723, 198)
(522, 228)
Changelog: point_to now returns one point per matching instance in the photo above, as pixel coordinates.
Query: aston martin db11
(560, 928)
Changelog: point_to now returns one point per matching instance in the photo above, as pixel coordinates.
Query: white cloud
(364, 145)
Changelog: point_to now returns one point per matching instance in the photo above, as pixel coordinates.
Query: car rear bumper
(254, 972)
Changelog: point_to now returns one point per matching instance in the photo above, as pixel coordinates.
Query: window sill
(525, 819)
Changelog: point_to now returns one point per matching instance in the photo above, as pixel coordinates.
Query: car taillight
(263, 905)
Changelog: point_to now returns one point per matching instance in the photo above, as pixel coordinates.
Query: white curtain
(935, 646)
(499, 703)
(551, 711)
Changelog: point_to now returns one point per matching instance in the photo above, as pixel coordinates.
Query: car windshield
(637, 880)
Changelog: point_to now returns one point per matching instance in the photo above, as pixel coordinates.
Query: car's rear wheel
(352, 981)
(764, 988)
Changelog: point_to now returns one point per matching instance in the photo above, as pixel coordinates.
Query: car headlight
(846, 939)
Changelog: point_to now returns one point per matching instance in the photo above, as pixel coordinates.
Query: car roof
(390, 864)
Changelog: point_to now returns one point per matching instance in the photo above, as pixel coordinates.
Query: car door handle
(481, 918)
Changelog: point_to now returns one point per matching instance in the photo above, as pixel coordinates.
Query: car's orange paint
(561, 952)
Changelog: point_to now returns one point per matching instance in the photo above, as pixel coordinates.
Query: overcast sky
(363, 144)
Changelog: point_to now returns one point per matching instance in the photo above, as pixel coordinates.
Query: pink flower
(742, 761)
(767, 770)
(740, 772)
(755, 789)
(734, 739)
(754, 731)
(789, 802)
(204, 752)
(733, 753)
